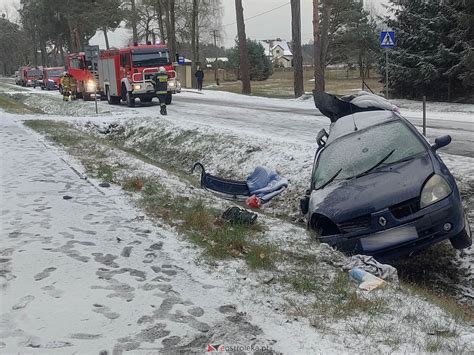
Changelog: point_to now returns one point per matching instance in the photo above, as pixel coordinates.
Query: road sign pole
(424, 115)
(95, 96)
(386, 73)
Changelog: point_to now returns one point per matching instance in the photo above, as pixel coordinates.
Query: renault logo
(382, 221)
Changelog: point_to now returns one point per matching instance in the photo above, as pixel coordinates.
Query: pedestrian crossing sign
(387, 39)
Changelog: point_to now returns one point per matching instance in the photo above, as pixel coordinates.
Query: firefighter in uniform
(160, 83)
(66, 85)
(69, 85)
(73, 83)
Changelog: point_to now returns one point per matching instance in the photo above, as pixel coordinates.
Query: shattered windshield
(366, 151)
(150, 58)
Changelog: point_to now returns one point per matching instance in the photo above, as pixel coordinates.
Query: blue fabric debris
(265, 183)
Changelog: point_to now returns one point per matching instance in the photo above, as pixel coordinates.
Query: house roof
(283, 45)
(221, 59)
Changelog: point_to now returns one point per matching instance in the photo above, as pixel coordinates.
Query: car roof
(345, 125)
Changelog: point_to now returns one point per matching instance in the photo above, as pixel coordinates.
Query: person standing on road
(73, 83)
(200, 77)
(160, 84)
(66, 86)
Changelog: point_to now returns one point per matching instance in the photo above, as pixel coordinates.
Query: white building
(278, 51)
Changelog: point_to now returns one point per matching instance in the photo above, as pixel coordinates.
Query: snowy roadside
(259, 296)
(185, 138)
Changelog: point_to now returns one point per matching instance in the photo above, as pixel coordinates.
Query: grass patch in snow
(106, 172)
(341, 300)
(459, 312)
(12, 104)
(280, 84)
(91, 154)
(204, 227)
(133, 183)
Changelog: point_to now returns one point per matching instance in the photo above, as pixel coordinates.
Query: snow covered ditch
(382, 321)
(406, 323)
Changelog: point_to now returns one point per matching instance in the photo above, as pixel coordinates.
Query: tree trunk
(159, 15)
(78, 36)
(194, 46)
(172, 33)
(107, 45)
(297, 52)
(166, 8)
(134, 21)
(243, 52)
(318, 76)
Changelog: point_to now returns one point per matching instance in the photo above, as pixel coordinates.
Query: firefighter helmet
(162, 70)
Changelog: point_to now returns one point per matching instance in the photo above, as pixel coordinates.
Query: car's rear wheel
(463, 239)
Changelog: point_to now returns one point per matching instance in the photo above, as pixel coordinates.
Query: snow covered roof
(269, 45)
(283, 45)
(221, 59)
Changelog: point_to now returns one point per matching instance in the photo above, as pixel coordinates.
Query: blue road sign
(387, 39)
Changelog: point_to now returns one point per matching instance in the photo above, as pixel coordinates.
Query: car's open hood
(381, 189)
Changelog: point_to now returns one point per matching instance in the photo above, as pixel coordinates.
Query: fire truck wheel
(86, 96)
(112, 100)
(169, 98)
(130, 99)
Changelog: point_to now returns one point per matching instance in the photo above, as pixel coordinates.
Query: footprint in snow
(53, 291)
(44, 274)
(23, 302)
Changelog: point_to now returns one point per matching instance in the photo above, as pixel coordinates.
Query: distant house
(210, 61)
(278, 51)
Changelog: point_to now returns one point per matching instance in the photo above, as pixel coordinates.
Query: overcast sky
(276, 22)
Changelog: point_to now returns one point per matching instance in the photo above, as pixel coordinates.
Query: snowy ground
(53, 245)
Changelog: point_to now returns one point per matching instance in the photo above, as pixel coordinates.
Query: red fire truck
(81, 69)
(29, 76)
(126, 74)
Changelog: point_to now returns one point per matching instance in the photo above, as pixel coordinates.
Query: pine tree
(434, 47)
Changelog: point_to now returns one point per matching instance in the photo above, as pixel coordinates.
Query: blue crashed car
(378, 187)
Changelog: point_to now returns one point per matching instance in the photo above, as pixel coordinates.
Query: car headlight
(435, 189)
(137, 87)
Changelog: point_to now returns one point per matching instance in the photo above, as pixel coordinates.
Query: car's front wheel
(463, 239)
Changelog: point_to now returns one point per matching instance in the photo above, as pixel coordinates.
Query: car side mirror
(441, 142)
(322, 138)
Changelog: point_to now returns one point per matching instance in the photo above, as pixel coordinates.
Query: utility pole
(243, 52)
(216, 77)
(298, 82)
(194, 44)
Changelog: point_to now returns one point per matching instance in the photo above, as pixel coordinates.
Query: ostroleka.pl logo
(233, 348)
